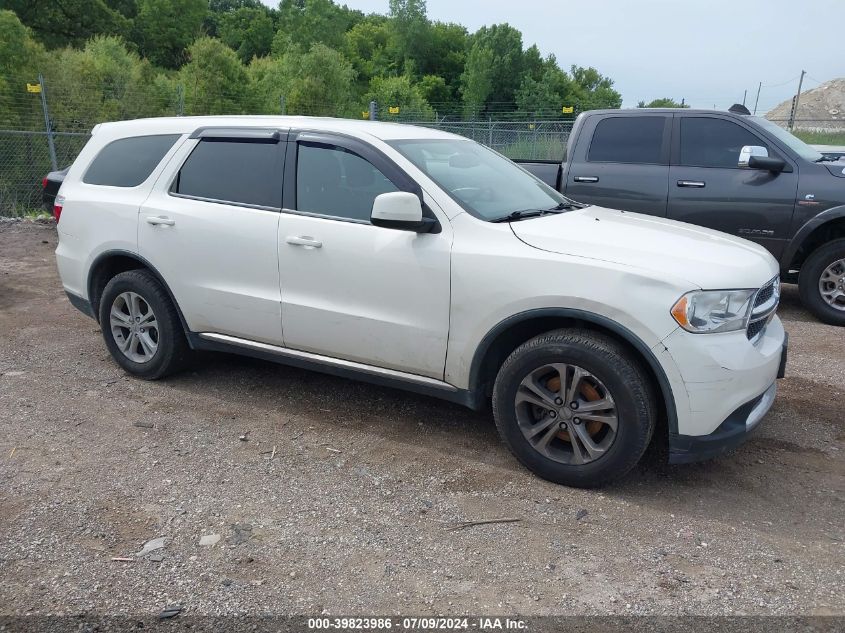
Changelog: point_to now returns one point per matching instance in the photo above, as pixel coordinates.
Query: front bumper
(735, 430)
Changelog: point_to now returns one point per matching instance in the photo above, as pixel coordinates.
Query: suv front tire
(574, 407)
(141, 326)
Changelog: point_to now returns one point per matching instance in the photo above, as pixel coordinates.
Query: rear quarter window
(628, 139)
(128, 162)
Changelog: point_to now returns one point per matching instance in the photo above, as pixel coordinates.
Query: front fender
(800, 237)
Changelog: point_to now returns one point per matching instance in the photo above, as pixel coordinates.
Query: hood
(706, 258)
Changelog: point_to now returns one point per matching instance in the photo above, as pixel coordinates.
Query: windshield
(794, 143)
(484, 183)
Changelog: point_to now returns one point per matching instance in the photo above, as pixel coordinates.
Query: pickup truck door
(622, 162)
(351, 290)
(706, 186)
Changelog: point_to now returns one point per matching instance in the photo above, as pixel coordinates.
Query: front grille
(765, 305)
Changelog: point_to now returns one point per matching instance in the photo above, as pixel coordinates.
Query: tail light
(44, 182)
(57, 207)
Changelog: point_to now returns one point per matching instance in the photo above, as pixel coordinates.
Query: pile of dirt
(821, 107)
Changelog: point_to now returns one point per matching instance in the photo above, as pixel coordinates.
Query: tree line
(109, 59)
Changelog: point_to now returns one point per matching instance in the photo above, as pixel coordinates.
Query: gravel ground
(322, 495)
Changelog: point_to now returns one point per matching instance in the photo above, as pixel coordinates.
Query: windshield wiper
(827, 159)
(535, 213)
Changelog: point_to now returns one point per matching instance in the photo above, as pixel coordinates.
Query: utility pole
(794, 113)
(744, 96)
(757, 100)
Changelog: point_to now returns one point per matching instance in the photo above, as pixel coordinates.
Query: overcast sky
(705, 52)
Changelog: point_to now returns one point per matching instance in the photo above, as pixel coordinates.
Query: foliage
(165, 28)
(215, 80)
(816, 137)
(665, 102)
(107, 59)
(398, 92)
(248, 31)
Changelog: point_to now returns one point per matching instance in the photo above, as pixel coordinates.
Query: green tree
(546, 94)
(477, 79)
(411, 31)
(500, 46)
(215, 81)
(434, 90)
(665, 102)
(165, 28)
(321, 83)
(593, 90)
(218, 8)
(248, 31)
(367, 46)
(446, 55)
(398, 92)
(69, 22)
(21, 58)
(303, 23)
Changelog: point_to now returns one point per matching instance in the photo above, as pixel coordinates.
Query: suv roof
(187, 125)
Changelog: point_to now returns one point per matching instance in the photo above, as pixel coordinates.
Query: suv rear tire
(574, 407)
(141, 326)
(823, 274)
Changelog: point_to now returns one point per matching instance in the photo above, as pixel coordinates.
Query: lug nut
(576, 420)
(558, 401)
(563, 426)
(573, 405)
(552, 414)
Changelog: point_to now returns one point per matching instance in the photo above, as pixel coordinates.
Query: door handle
(303, 240)
(165, 221)
(586, 179)
(691, 183)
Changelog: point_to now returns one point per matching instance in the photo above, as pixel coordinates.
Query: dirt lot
(340, 497)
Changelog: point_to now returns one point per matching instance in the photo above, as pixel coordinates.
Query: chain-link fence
(43, 127)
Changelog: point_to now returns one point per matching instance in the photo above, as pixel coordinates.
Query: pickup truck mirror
(748, 151)
(774, 165)
(400, 210)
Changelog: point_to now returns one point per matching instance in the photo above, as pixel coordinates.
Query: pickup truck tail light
(44, 182)
(57, 207)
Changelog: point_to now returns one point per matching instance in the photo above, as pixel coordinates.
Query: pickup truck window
(795, 144)
(628, 139)
(711, 142)
(485, 183)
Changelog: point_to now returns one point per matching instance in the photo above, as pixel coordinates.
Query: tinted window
(244, 172)
(630, 139)
(129, 161)
(713, 142)
(333, 181)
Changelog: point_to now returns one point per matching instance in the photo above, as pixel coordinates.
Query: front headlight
(707, 311)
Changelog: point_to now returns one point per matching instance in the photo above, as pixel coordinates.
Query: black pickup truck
(732, 172)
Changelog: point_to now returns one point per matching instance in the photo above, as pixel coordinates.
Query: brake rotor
(589, 393)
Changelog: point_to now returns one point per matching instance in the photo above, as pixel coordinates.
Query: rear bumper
(735, 430)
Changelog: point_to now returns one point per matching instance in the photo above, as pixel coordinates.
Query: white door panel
(368, 294)
(220, 262)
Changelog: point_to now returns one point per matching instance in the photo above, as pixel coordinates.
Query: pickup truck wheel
(141, 327)
(822, 282)
(574, 407)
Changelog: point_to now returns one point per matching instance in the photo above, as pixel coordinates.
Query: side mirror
(400, 210)
(748, 151)
(774, 165)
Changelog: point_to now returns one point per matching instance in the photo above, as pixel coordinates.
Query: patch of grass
(821, 138)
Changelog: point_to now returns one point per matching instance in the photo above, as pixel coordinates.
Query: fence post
(373, 110)
(283, 104)
(180, 100)
(534, 150)
(490, 131)
(47, 124)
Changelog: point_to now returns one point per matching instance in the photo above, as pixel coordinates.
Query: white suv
(422, 260)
